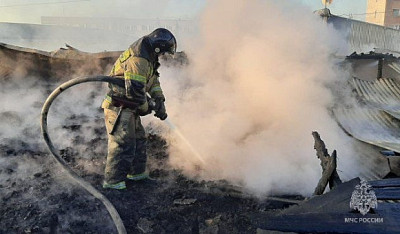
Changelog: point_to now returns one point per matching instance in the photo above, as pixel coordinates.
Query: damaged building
(42, 200)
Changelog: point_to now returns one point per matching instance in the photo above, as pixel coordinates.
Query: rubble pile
(36, 196)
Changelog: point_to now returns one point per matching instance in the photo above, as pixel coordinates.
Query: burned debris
(39, 198)
(62, 64)
(173, 204)
(328, 164)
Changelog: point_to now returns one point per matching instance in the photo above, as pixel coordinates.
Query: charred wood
(328, 164)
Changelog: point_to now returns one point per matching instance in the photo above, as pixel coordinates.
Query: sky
(30, 11)
(345, 8)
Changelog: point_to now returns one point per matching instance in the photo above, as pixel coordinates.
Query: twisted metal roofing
(384, 94)
(371, 125)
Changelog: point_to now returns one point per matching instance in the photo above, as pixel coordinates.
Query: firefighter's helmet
(162, 41)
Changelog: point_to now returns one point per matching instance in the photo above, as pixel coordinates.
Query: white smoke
(18, 113)
(255, 89)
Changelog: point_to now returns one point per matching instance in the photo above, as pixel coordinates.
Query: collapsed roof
(379, 93)
(61, 64)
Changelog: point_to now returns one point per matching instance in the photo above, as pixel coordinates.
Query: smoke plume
(255, 89)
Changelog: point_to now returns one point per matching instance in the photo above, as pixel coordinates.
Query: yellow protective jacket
(135, 65)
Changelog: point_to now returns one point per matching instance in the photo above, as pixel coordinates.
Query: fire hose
(43, 124)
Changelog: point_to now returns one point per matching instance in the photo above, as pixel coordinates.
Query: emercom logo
(363, 198)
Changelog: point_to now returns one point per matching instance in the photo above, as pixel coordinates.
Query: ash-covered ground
(36, 196)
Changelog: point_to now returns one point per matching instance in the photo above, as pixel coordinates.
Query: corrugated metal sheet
(384, 94)
(371, 125)
(395, 67)
(364, 36)
(372, 122)
(392, 39)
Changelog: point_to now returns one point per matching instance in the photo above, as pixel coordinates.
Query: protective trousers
(126, 145)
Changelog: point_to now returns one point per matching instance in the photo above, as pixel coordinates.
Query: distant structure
(384, 13)
(122, 25)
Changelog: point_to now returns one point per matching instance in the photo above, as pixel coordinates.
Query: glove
(160, 110)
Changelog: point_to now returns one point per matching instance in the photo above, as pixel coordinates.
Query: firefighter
(123, 107)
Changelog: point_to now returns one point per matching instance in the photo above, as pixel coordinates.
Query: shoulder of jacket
(140, 64)
(125, 55)
(140, 61)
